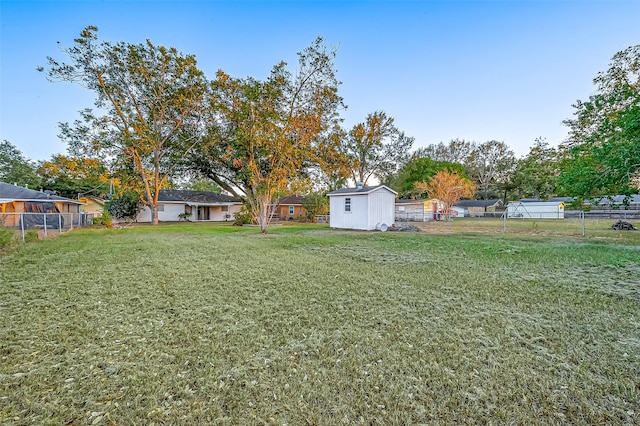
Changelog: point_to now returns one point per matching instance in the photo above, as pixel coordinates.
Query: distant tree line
(158, 122)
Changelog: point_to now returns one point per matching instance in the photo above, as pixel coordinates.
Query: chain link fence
(45, 223)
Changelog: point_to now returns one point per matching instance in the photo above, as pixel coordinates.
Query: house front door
(203, 212)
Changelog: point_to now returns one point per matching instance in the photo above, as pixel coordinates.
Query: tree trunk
(154, 214)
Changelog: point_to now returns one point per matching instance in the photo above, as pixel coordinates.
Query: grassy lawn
(199, 324)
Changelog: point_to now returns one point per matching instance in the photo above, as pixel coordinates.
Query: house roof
(360, 191)
(290, 200)
(196, 197)
(9, 193)
(478, 203)
(416, 201)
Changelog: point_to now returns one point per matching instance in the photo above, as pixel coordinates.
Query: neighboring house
(365, 208)
(478, 208)
(91, 204)
(616, 202)
(16, 199)
(536, 210)
(420, 210)
(198, 205)
(289, 207)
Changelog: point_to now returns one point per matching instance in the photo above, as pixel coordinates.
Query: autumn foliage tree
(264, 133)
(447, 187)
(149, 103)
(376, 148)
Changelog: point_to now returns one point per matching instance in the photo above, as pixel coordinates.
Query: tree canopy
(602, 153)
(447, 187)
(420, 169)
(262, 134)
(149, 102)
(376, 148)
(16, 168)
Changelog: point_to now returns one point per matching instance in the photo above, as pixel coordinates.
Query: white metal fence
(45, 222)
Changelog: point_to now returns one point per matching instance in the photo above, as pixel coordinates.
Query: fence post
(60, 222)
(504, 227)
(22, 225)
(582, 217)
(44, 215)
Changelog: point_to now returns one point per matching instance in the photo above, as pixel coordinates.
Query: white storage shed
(535, 210)
(366, 208)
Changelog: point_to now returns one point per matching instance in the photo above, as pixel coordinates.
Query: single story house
(362, 207)
(420, 210)
(478, 208)
(535, 210)
(197, 206)
(289, 207)
(16, 199)
(615, 202)
(91, 204)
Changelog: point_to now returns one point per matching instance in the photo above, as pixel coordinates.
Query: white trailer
(535, 210)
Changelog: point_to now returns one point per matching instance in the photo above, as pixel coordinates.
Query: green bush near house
(31, 235)
(7, 237)
(103, 219)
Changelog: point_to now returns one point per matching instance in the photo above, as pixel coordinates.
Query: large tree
(447, 187)
(74, 176)
(376, 148)
(489, 163)
(420, 169)
(149, 101)
(536, 174)
(16, 168)
(263, 134)
(456, 151)
(602, 153)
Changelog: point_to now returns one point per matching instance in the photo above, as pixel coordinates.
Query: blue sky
(475, 70)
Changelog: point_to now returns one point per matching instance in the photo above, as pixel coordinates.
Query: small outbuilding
(535, 210)
(366, 208)
(478, 208)
(420, 210)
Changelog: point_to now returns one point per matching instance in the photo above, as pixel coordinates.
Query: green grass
(201, 324)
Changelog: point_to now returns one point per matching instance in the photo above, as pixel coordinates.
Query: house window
(160, 207)
(290, 209)
(347, 205)
(225, 208)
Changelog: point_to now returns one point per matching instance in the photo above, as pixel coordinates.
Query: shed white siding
(381, 208)
(367, 208)
(354, 219)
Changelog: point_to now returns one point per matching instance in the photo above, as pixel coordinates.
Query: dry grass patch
(196, 325)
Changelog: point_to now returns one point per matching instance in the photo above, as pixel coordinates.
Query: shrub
(103, 219)
(126, 206)
(244, 216)
(184, 216)
(31, 235)
(7, 236)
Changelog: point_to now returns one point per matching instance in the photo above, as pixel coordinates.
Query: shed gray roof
(359, 191)
(9, 192)
(202, 197)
